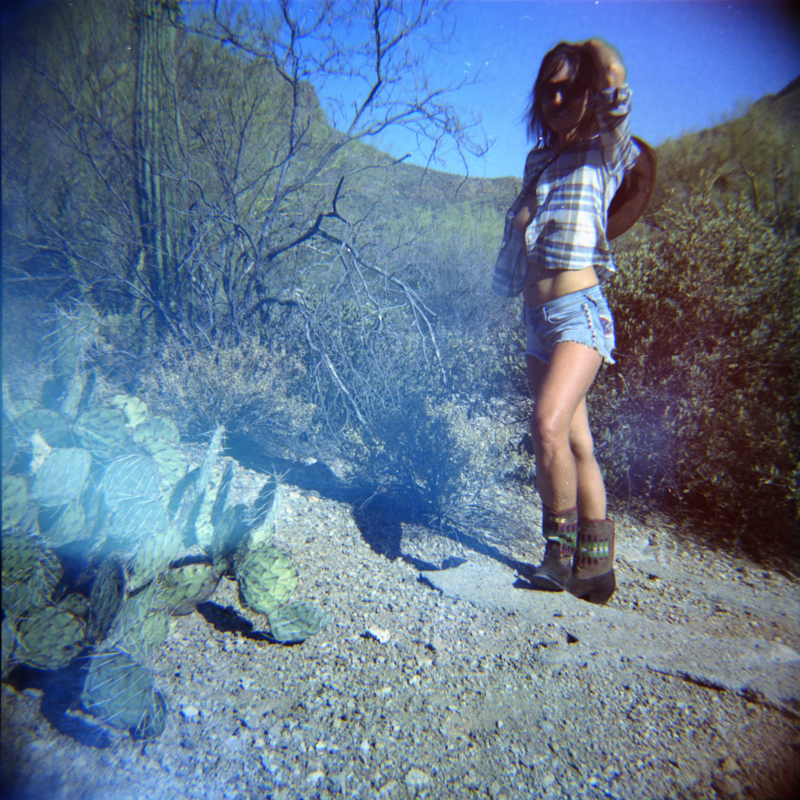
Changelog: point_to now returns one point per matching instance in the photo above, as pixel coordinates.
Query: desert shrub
(437, 456)
(247, 387)
(702, 410)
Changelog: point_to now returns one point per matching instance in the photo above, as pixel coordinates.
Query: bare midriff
(543, 285)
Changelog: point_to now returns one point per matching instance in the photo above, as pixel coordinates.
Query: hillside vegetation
(249, 265)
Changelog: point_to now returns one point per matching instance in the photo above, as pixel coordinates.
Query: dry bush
(249, 387)
(440, 456)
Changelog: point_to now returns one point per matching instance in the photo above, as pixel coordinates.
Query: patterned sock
(562, 527)
(595, 545)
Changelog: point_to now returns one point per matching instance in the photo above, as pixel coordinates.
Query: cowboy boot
(560, 531)
(593, 576)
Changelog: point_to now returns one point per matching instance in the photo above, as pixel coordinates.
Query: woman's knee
(549, 430)
(581, 442)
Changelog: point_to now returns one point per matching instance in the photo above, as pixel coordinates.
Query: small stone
(472, 781)
(496, 791)
(388, 789)
(728, 787)
(417, 780)
(190, 712)
(315, 776)
(379, 634)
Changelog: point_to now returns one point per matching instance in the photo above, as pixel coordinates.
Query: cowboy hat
(634, 192)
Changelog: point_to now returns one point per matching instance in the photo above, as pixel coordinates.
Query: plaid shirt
(572, 195)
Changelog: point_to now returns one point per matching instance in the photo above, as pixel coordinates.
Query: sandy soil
(409, 692)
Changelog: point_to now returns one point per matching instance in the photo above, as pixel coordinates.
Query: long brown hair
(583, 75)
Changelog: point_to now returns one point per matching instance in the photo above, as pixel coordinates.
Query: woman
(579, 117)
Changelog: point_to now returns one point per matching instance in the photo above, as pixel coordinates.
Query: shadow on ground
(379, 512)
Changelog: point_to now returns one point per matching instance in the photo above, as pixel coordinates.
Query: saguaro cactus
(155, 127)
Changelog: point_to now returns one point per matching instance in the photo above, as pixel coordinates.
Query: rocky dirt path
(451, 682)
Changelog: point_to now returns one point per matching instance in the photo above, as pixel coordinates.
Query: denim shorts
(582, 317)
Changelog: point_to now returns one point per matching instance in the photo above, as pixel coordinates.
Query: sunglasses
(569, 91)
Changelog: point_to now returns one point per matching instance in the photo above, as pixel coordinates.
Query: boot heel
(596, 590)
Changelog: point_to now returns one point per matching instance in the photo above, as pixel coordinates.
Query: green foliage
(15, 499)
(295, 622)
(751, 157)
(49, 638)
(125, 507)
(120, 692)
(267, 578)
(702, 409)
(181, 588)
(62, 477)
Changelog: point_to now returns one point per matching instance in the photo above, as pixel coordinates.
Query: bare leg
(567, 473)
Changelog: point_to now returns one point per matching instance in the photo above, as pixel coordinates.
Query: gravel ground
(410, 693)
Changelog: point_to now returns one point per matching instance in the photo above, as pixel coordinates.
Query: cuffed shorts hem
(583, 317)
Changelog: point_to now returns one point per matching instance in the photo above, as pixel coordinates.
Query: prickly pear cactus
(133, 408)
(54, 428)
(153, 556)
(230, 531)
(74, 334)
(9, 642)
(180, 589)
(63, 525)
(295, 622)
(62, 477)
(108, 592)
(121, 692)
(106, 484)
(267, 578)
(139, 629)
(15, 500)
(49, 638)
(30, 574)
(102, 430)
(73, 337)
(264, 511)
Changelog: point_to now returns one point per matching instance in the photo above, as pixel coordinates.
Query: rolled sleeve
(613, 108)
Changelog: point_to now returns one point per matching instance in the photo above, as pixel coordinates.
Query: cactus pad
(157, 429)
(153, 556)
(229, 532)
(160, 438)
(201, 526)
(64, 525)
(9, 641)
(267, 578)
(107, 595)
(134, 409)
(76, 604)
(101, 430)
(120, 692)
(180, 589)
(139, 629)
(54, 428)
(135, 521)
(74, 333)
(295, 622)
(49, 638)
(15, 500)
(62, 477)
(130, 478)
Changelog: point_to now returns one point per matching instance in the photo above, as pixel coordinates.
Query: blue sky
(690, 64)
